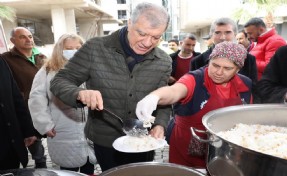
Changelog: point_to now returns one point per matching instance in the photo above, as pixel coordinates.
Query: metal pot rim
(209, 115)
(143, 164)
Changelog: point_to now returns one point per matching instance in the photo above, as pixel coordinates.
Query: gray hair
(12, 33)
(156, 15)
(221, 22)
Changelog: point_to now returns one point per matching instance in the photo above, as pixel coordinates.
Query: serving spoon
(131, 127)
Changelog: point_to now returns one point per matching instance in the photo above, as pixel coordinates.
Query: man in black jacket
(272, 87)
(225, 29)
(16, 127)
(182, 58)
(24, 61)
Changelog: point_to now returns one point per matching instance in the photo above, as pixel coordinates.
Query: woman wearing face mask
(63, 125)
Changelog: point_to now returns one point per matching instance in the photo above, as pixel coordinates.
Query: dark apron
(181, 134)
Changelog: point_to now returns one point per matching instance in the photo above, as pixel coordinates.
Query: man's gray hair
(12, 33)
(155, 14)
(221, 22)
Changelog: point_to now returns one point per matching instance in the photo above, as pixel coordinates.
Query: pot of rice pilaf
(247, 140)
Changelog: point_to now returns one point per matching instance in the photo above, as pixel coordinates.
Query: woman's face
(72, 44)
(221, 70)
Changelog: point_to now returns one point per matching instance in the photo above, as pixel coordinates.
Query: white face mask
(68, 54)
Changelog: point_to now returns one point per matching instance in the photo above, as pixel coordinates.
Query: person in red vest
(197, 93)
(182, 58)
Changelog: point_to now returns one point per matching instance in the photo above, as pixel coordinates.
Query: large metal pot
(225, 158)
(151, 169)
(39, 172)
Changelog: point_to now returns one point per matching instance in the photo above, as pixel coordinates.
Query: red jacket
(265, 48)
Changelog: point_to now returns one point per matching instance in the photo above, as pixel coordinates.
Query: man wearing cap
(225, 29)
(197, 93)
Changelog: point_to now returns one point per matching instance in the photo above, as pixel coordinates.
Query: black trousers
(109, 157)
(87, 168)
(37, 151)
(11, 161)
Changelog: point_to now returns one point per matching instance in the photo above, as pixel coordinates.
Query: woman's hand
(51, 133)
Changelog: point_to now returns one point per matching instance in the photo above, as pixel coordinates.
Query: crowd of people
(63, 98)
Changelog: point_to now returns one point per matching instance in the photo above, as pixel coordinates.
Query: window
(30, 25)
(121, 1)
(122, 14)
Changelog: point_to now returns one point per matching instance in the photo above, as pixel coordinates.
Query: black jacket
(249, 69)
(273, 85)
(15, 120)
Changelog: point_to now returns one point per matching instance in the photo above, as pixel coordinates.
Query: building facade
(49, 19)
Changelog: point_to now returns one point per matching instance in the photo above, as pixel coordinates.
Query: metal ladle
(131, 127)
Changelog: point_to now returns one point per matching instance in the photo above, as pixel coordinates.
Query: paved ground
(161, 155)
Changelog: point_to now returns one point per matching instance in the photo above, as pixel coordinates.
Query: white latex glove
(145, 107)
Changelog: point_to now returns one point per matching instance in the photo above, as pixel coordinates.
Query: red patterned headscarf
(235, 52)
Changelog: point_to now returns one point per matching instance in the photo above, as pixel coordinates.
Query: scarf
(132, 57)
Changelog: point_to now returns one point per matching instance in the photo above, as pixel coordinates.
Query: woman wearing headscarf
(198, 92)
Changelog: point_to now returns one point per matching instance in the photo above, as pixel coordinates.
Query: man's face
(253, 32)
(221, 70)
(173, 46)
(142, 37)
(223, 33)
(241, 39)
(23, 39)
(188, 45)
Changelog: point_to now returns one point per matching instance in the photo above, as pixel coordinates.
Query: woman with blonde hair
(63, 124)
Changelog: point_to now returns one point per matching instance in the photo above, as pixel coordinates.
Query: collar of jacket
(15, 51)
(39, 58)
(113, 41)
(266, 35)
